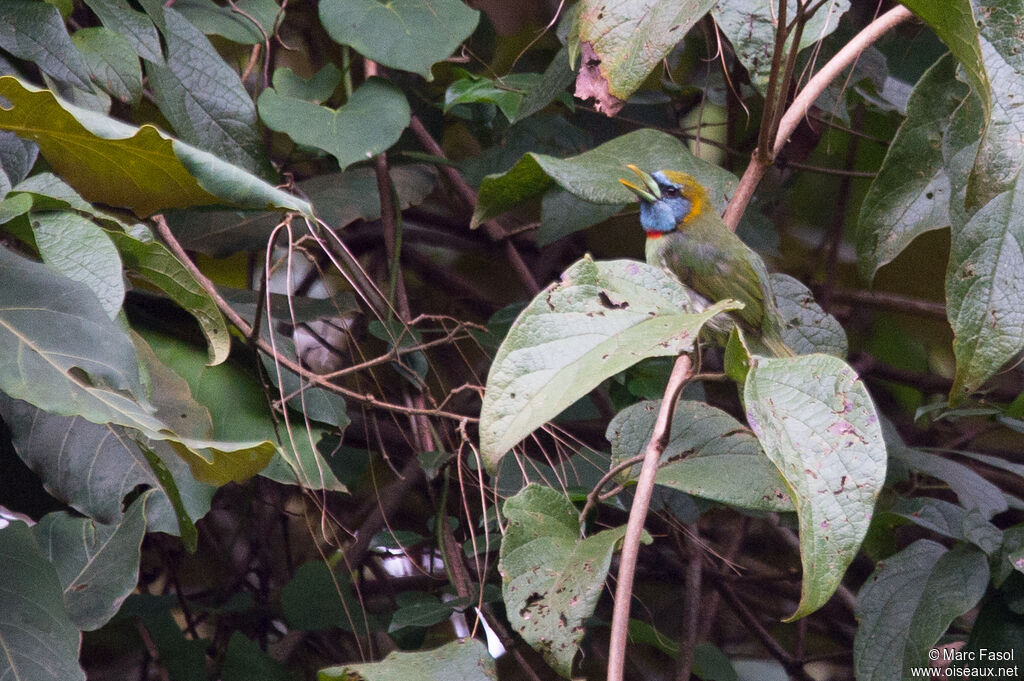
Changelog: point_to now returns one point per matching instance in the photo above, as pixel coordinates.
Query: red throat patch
(654, 235)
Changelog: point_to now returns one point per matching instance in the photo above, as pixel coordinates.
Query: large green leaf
(594, 175)
(239, 411)
(112, 62)
(203, 97)
(139, 168)
(411, 35)
(151, 260)
(807, 328)
(750, 27)
(61, 352)
(984, 289)
(35, 31)
(77, 248)
(623, 42)
(38, 642)
(910, 194)
(951, 521)
(92, 467)
(815, 420)
(601, 318)
(709, 454)
(462, 660)
(953, 21)
(551, 579)
(907, 603)
(97, 565)
(370, 122)
(59, 349)
(134, 26)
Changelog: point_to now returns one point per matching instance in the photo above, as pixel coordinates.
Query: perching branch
(760, 163)
(681, 373)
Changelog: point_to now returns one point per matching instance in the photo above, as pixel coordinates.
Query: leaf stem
(681, 372)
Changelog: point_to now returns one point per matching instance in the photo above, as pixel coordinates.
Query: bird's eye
(672, 191)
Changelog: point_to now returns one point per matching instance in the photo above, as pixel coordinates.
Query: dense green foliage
(327, 343)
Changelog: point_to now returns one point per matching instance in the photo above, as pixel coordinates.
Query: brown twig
(759, 164)
(681, 372)
(886, 300)
(692, 615)
(792, 665)
(243, 326)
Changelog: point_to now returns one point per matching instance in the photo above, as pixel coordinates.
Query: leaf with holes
(601, 318)
(550, 577)
(816, 422)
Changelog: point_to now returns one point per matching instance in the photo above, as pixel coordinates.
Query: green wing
(715, 263)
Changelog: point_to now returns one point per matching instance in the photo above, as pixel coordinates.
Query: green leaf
(134, 26)
(315, 599)
(750, 27)
(35, 32)
(38, 642)
(709, 454)
(972, 490)
(815, 420)
(92, 467)
(808, 328)
(594, 175)
(234, 24)
(953, 21)
(462, 660)
(97, 565)
(951, 521)
(60, 349)
(77, 248)
(245, 660)
(111, 61)
(601, 318)
(551, 578)
(984, 292)
(911, 193)
(152, 261)
(17, 156)
(240, 412)
(418, 609)
(317, 88)
(563, 214)
(139, 168)
(370, 122)
(411, 35)
(549, 86)
(203, 98)
(907, 604)
(622, 43)
(506, 93)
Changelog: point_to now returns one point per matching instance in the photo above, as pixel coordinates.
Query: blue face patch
(664, 214)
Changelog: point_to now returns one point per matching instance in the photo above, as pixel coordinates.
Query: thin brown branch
(792, 665)
(885, 300)
(759, 165)
(693, 612)
(244, 327)
(681, 372)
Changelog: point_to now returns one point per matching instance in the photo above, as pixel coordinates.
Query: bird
(688, 238)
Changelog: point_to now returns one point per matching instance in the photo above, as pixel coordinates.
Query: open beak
(649, 191)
